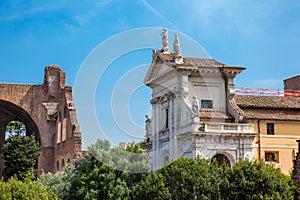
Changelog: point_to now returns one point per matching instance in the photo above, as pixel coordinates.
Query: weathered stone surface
(48, 111)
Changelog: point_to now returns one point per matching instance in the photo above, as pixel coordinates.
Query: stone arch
(41, 108)
(222, 159)
(11, 112)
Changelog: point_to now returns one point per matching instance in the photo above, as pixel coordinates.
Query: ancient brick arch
(48, 112)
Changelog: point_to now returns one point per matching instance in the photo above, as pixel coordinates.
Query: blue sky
(263, 36)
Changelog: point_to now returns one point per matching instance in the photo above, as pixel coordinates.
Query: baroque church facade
(194, 110)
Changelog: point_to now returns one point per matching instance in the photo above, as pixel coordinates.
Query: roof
(272, 114)
(196, 62)
(294, 77)
(269, 107)
(267, 102)
(202, 62)
(214, 114)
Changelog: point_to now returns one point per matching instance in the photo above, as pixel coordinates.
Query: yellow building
(277, 122)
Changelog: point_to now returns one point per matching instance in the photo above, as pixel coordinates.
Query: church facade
(194, 110)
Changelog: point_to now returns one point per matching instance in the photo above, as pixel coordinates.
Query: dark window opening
(62, 163)
(57, 165)
(65, 112)
(271, 156)
(207, 104)
(270, 129)
(167, 119)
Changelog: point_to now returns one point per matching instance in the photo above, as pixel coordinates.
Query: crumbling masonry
(48, 112)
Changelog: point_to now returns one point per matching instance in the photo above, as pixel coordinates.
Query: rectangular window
(207, 104)
(270, 129)
(272, 156)
(167, 119)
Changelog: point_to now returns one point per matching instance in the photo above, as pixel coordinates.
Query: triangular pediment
(158, 67)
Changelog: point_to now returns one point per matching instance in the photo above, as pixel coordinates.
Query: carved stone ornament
(51, 110)
(195, 107)
(148, 125)
(166, 97)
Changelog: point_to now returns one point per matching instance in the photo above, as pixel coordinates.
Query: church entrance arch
(222, 159)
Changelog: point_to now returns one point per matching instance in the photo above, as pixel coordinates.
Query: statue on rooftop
(165, 42)
(177, 52)
(177, 46)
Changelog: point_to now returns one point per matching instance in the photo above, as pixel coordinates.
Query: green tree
(188, 178)
(20, 154)
(60, 183)
(198, 178)
(135, 148)
(97, 176)
(153, 188)
(14, 189)
(94, 180)
(257, 180)
(132, 159)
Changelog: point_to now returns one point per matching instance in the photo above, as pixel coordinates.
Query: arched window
(222, 159)
(57, 165)
(15, 128)
(62, 163)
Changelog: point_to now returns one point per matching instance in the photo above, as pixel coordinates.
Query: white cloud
(84, 17)
(26, 12)
(158, 14)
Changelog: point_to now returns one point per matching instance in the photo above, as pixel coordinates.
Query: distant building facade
(276, 121)
(292, 86)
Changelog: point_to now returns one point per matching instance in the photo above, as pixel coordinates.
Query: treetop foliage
(27, 189)
(20, 154)
(185, 178)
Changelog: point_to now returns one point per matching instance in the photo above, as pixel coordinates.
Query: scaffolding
(267, 92)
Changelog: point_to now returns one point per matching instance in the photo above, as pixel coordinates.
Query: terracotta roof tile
(168, 57)
(272, 114)
(202, 62)
(267, 102)
(197, 62)
(209, 114)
